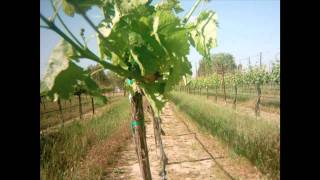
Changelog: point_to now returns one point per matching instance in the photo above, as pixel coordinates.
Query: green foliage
(169, 5)
(275, 73)
(223, 63)
(97, 73)
(203, 35)
(214, 80)
(70, 7)
(257, 76)
(205, 68)
(143, 42)
(63, 76)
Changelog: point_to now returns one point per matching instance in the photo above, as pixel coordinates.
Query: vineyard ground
(267, 109)
(247, 108)
(62, 151)
(54, 123)
(269, 102)
(191, 153)
(257, 139)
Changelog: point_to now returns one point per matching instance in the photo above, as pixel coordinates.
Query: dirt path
(191, 154)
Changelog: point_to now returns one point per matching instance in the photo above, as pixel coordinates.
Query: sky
(246, 28)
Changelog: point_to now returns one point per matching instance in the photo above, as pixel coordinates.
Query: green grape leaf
(70, 7)
(127, 6)
(154, 93)
(175, 74)
(169, 5)
(164, 23)
(43, 88)
(203, 36)
(62, 75)
(65, 81)
(58, 61)
(67, 8)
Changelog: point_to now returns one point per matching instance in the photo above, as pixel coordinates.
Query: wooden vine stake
(43, 103)
(60, 112)
(224, 87)
(216, 94)
(80, 105)
(207, 92)
(158, 141)
(235, 97)
(92, 103)
(139, 135)
(257, 106)
(70, 102)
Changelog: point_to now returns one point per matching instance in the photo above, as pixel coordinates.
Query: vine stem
(83, 14)
(86, 53)
(46, 27)
(63, 24)
(188, 15)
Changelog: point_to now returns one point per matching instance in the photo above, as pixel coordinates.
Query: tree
(205, 68)
(144, 43)
(98, 75)
(115, 80)
(223, 63)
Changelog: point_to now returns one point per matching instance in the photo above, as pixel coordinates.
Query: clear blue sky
(246, 28)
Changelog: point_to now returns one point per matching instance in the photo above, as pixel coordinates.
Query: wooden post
(235, 97)
(158, 141)
(216, 94)
(257, 107)
(224, 87)
(70, 108)
(260, 59)
(60, 110)
(80, 105)
(207, 92)
(139, 135)
(92, 103)
(43, 103)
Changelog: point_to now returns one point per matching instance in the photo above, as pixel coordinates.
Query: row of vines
(249, 81)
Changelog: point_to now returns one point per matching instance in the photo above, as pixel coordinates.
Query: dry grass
(101, 156)
(61, 151)
(257, 140)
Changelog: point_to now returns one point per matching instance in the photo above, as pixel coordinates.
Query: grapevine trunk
(139, 135)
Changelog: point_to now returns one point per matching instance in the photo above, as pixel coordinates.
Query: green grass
(256, 139)
(62, 150)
